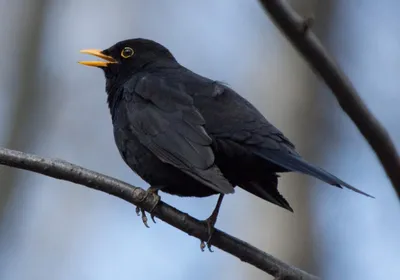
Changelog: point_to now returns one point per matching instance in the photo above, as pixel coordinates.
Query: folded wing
(173, 129)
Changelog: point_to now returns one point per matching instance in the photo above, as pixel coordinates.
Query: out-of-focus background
(50, 105)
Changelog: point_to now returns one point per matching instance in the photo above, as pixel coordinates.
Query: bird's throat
(114, 96)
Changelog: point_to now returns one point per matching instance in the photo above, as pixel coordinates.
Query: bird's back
(227, 114)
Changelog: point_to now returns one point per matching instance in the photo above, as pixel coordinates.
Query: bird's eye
(127, 52)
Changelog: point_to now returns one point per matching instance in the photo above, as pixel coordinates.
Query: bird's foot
(151, 190)
(144, 216)
(210, 223)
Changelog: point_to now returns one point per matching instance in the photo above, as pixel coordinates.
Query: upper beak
(97, 53)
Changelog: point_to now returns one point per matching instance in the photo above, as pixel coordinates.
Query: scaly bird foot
(210, 222)
(151, 190)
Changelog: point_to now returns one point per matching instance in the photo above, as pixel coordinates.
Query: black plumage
(188, 135)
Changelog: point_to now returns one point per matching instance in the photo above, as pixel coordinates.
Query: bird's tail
(265, 186)
(296, 163)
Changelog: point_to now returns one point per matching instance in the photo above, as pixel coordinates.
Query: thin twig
(69, 172)
(297, 30)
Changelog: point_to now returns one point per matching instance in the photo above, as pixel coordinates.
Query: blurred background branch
(297, 30)
(66, 171)
(28, 101)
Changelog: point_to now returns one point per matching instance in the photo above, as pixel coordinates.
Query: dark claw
(210, 230)
(153, 218)
(144, 218)
(209, 247)
(209, 244)
(202, 246)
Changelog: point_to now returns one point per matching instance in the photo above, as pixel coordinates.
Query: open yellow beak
(99, 54)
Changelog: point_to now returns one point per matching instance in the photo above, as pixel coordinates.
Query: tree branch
(69, 172)
(297, 30)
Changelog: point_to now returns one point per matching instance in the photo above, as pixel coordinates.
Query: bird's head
(125, 58)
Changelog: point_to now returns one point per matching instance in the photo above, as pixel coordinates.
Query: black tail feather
(296, 163)
(266, 187)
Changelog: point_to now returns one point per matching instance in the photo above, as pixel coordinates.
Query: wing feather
(173, 129)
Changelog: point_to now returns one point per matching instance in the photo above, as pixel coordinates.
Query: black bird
(188, 135)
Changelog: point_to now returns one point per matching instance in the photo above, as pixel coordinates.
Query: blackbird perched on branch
(188, 135)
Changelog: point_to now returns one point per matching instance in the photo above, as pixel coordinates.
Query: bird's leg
(151, 190)
(211, 223)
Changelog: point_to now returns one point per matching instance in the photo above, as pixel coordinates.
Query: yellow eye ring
(127, 52)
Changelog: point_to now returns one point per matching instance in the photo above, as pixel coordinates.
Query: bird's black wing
(239, 121)
(173, 129)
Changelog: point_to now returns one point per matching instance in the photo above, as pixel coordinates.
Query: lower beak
(99, 54)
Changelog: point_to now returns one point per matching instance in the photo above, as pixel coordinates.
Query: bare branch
(299, 34)
(69, 172)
